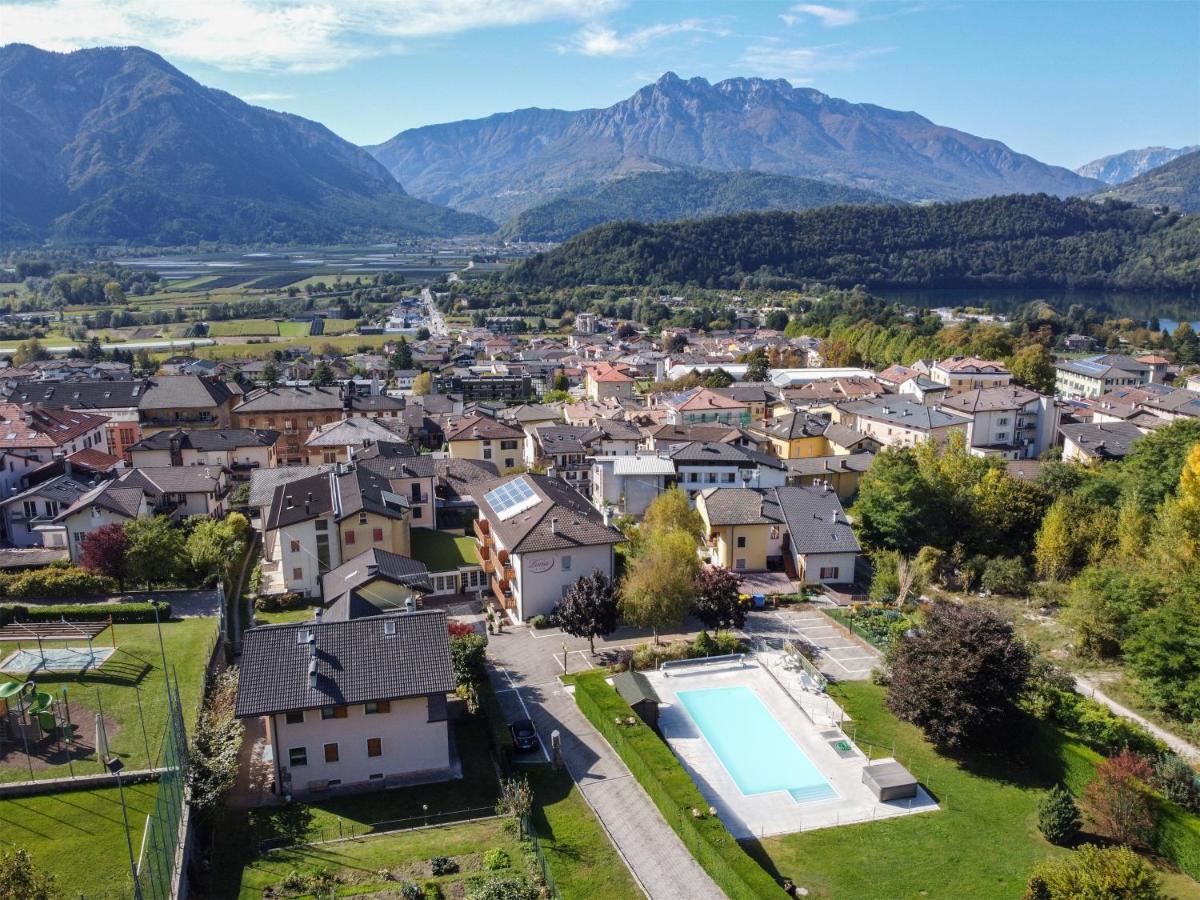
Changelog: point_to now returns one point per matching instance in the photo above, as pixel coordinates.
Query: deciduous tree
(589, 609)
(1117, 799)
(156, 550)
(660, 583)
(671, 510)
(717, 604)
(104, 551)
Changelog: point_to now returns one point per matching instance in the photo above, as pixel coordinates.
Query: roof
(299, 500)
(1180, 402)
(477, 427)
(356, 661)
(64, 489)
(43, 428)
(32, 557)
(171, 392)
(703, 453)
(971, 365)
(1102, 440)
(124, 500)
(845, 436)
(174, 479)
(209, 439)
(95, 460)
(634, 687)
(376, 403)
(815, 520)
(740, 506)
(347, 589)
(558, 518)
(671, 434)
(1100, 365)
(363, 490)
(350, 431)
(82, 394)
(904, 412)
(607, 372)
(830, 465)
(702, 399)
(290, 399)
(264, 481)
(990, 399)
(797, 425)
(642, 465)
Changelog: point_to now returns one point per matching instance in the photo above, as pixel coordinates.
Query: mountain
(1019, 241)
(509, 162)
(1120, 167)
(115, 144)
(1175, 184)
(667, 196)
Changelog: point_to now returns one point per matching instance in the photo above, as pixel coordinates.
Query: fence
(348, 829)
(540, 857)
(159, 860)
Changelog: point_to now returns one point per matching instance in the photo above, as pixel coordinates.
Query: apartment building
(293, 411)
(969, 373)
(1094, 376)
(484, 438)
(1010, 422)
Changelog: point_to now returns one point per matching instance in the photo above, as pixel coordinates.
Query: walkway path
(1090, 686)
(525, 669)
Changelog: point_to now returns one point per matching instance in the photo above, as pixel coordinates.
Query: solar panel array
(511, 498)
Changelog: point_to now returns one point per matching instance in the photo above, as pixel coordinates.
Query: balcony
(502, 592)
(482, 530)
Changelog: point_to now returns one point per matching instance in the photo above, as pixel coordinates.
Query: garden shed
(636, 690)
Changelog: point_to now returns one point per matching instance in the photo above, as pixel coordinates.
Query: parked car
(525, 738)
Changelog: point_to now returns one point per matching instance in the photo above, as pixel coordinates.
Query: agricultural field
(348, 343)
(294, 329)
(339, 326)
(244, 328)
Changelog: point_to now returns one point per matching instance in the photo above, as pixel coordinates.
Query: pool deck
(812, 722)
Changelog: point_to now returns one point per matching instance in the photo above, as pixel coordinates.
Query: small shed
(636, 690)
(889, 781)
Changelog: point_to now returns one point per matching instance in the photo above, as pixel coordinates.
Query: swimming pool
(754, 748)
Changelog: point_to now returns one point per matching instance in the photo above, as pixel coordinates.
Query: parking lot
(839, 657)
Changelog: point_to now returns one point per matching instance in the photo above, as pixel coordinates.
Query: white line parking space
(839, 656)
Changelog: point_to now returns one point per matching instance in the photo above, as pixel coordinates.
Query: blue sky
(1064, 81)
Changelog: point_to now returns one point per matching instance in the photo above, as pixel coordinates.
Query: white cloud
(273, 35)
(829, 16)
(266, 97)
(601, 40)
(773, 58)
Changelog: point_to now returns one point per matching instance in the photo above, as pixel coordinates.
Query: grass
(294, 329)
(135, 667)
(442, 551)
(344, 344)
(581, 858)
(79, 838)
(244, 328)
(406, 854)
(282, 616)
(340, 326)
(1124, 690)
(981, 844)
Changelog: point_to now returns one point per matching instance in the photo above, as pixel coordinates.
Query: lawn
(136, 668)
(294, 329)
(582, 860)
(981, 844)
(79, 836)
(280, 617)
(344, 344)
(340, 326)
(442, 551)
(244, 328)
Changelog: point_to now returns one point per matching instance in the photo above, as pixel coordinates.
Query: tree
(757, 366)
(1033, 367)
(468, 658)
(1094, 873)
(104, 551)
(20, 879)
(1164, 653)
(213, 761)
(423, 384)
(29, 351)
(1058, 816)
(422, 334)
(216, 547)
(156, 550)
(671, 510)
(660, 582)
(717, 602)
(777, 320)
(402, 359)
(562, 382)
(959, 676)
(322, 374)
(895, 506)
(515, 801)
(589, 609)
(270, 374)
(1053, 544)
(1118, 801)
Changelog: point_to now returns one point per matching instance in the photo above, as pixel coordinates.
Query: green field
(981, 844)
(79, 837)
(244, 328)
(442, 551)
(340, 326)
(294, 329)
(344, 344)
(135, 669)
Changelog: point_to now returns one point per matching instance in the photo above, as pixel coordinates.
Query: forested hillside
(1018, 241)
(1175, 184)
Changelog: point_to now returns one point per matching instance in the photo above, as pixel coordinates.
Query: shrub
(1004, 575)
(431, 890)
(1177, 781)
(1058, 816)
(122, 613)
(458, 629)
(1118, 802)
(443, 865)
(1111, 872)
(539, 622)
(54, 581)
(280, 602)
(468, 657)
(496, 858)
(410, 891)
(505, 887)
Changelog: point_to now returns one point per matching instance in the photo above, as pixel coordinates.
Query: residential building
(415, 478)
(843, 473)
(702, 465)
(664, 437)
(485, 438)
(32, 437)
(372, 583)
(29, 515)
(338, 441)
(350, 703)
(1010, 422)
(117, 400)
(451, 560)
(1098, 441)
(181, 491)
(607, 381)
(109, 503)
(969, 373)
(536, 538)
(900, 422)
(294, 411)
(704, 405)
(1181, 403)
(475, 388)
(185, 401)
(1094, 376)
(629, 484)
(299, 530)
(241, 450)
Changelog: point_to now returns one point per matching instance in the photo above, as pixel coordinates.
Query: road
(1092, 686)
(437, 324)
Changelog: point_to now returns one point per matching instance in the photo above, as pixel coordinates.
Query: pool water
(754, 748)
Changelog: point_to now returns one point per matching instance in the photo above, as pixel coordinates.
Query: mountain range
(115, 144)
(509, 162)
(1120, 167)
(1175, 184)
(669, 196)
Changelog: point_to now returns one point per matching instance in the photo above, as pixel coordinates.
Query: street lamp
(115, 766)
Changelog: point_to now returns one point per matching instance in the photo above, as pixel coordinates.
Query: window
(295, 717)
(829, 573)
(297, 574)
(566, 564)
(418, 512)
(374, 707)
(739, 563)
(349, 537)
(30, 507)
(374, 747)
(741, 542)
(728, 478)
(362, 518)
(509, 462)
(712, 478)
(329, 456)
(378, 776)
(322, 524)
(331, 753)
(377, 535)
(773, 534)
(508, 445)
(295, 546)
(1002, 421)
(333, 712)
(416, 491)
(487, 452)
(1001, 435)
(298, 756)
(692, 476)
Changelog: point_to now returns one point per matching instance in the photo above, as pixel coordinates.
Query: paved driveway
(839, 657)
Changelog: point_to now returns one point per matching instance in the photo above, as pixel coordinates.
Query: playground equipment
(27, 714)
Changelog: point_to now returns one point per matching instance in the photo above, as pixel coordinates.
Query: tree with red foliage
(457, 629)
(104, 552)
(717, 604)
(1117, 800)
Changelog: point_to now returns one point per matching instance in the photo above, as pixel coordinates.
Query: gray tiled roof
(741, 506)
(988, 399)
(209, 439)
(478, 427)
(111, 495)
(703, 453)
(299, 500)
(173, 479)
(290, 399)
(264, 481)
(183, 391)
(82, 394)
(562, 518)
(1102, 440)
(817, 465)
(797, 425)
(815, 520)
(349, 579)
(844, 436)
(356, 661)
(904, 412)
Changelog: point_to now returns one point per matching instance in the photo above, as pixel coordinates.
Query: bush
(55, 581)
(496, 858)
(1111, 872)
(673, 792)
(539, 622)
(280, 602)
(1118, 801)
(410, 891)
(1004, 575)
(443, 865)
(1058, 816)
(431, 890)
(504, 887)
(1177, 782)
(468, 657)
(122, 613)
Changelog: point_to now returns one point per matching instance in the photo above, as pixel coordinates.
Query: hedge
(673, 792)
(122, 613)
(58, 581)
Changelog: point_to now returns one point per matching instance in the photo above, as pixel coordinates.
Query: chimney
(607, 514)
(554, 524)
(312, 674)
(290, 504)
(410, 605)
(833, 516)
